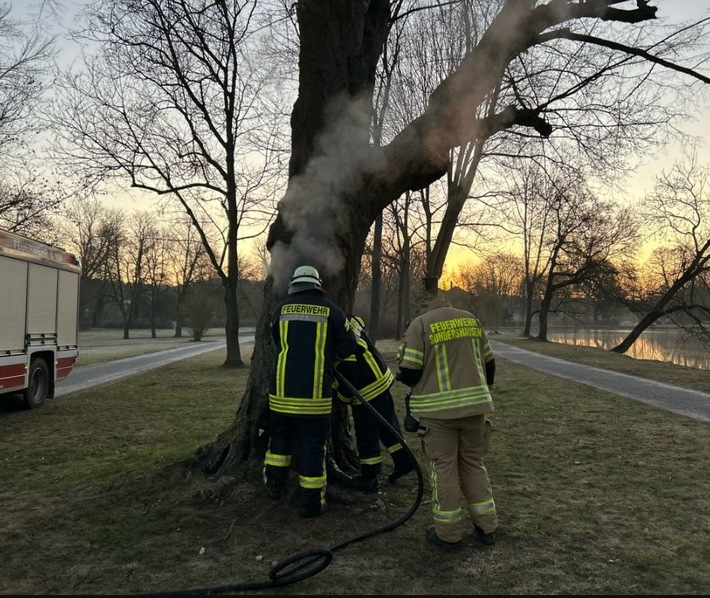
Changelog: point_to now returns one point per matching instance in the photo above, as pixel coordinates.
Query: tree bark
(376, 290)
(631, 338)
(234, 351)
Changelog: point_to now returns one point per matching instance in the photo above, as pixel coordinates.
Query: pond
(660, 344)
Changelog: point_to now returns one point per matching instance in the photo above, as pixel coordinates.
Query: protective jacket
(365, 369)
(450, 349)
(311, 334)
(370, 375)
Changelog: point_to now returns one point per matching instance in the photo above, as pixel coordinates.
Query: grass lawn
(596, 494)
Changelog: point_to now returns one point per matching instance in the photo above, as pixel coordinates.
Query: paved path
(86, 376)
(691, 403)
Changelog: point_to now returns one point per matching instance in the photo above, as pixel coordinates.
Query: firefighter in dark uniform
(368, 372)
(311, 334)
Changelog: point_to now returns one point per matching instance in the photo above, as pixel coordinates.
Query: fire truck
(39, 317)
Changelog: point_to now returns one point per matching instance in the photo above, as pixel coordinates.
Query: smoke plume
(314, 206)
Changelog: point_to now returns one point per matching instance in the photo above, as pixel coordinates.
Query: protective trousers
(369, 431)
(454, 449)
(304, 438)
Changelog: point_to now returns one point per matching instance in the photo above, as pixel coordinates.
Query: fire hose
(308, 563)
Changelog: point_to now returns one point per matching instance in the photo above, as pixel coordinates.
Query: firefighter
(446, 358)
(311, 334)
(368, 372)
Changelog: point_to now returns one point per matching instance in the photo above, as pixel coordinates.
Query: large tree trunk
(543, 318)
(660, 307)
(376, 290)
(631, 337)
(529, 289)
(231, 302)
(179, 309)
(341, 42)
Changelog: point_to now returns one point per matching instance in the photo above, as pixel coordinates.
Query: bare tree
(127, 263)
(90, 229)
(157, 268)
(25, 55)
(261, 256)
(200, 307)
(27, 195)
(492, 284)
(27, 202)
(188, 261)
(527, 215)
(678, 211)
(569, 237)
(587, 235)
(174, 103)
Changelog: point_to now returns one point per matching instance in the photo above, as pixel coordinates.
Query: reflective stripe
(434, 488)
(453, 399)
(281, 365)
(483, 508)
(297, 406)
(487, 352)
(442, 367)
(447, 516)
(369, 357)
(302, 318)
(440, 515)
(478, 360)
(277, 460)
(319, 361)
(376, 388)
(371, 460)
(394, 448)
(312, 483)
(373, 370)
(413, 356)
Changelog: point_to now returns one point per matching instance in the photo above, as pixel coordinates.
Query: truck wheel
(38, 384)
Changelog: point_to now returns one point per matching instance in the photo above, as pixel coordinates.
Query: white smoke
(314, 205)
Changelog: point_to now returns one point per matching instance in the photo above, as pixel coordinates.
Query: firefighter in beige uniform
(446, 358)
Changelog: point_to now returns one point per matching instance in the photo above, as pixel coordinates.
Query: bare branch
(567, 34)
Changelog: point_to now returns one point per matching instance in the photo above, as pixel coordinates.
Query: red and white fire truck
(39, 317)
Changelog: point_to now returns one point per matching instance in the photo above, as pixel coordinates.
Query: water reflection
(660, 345)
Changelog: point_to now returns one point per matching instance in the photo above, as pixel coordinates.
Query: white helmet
(303, 278)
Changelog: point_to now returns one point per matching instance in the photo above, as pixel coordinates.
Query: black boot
(275, 480)
(489, 539)
(363, 484)
(403, 464)
(310, 503)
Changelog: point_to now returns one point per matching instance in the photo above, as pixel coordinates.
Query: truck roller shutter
(42, 306)
(13, 302)
(67, 308)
